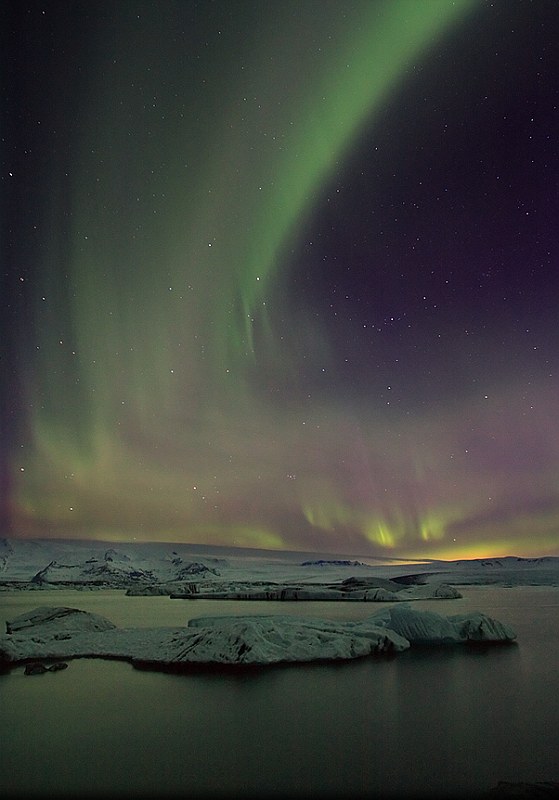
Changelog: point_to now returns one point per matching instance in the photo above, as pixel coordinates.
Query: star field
(282, 275)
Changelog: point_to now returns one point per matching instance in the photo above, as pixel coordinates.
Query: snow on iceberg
(61, 633)
(275, 638)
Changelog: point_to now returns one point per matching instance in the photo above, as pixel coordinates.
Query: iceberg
(46, 618)
(477, 627)
(371, 590)
(422, 627)
(429, 628)
(55, 633)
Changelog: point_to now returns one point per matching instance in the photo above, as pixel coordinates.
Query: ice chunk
(478, 627)
(428, 627)
(422, 627)
(58, 619)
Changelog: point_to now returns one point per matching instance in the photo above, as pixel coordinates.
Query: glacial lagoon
(436, 722)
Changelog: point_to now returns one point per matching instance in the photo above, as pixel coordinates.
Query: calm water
(449, 722)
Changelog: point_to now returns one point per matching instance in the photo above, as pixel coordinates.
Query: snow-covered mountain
(53, 562)
(46, 563)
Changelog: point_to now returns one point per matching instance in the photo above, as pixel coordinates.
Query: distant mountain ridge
(43, 562)
(507, 561)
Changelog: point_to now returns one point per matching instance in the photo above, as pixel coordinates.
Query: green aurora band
(161, 293)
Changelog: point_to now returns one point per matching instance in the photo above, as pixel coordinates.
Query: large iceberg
(430, 628)
(50, 633)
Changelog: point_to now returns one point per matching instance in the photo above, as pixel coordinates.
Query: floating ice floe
(52, 633)
(354, 589)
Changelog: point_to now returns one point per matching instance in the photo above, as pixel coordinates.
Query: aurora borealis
(282, 275)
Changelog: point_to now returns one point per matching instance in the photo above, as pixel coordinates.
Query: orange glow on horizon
(486, 550)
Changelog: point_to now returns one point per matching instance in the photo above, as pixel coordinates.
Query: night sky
(282, 274)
